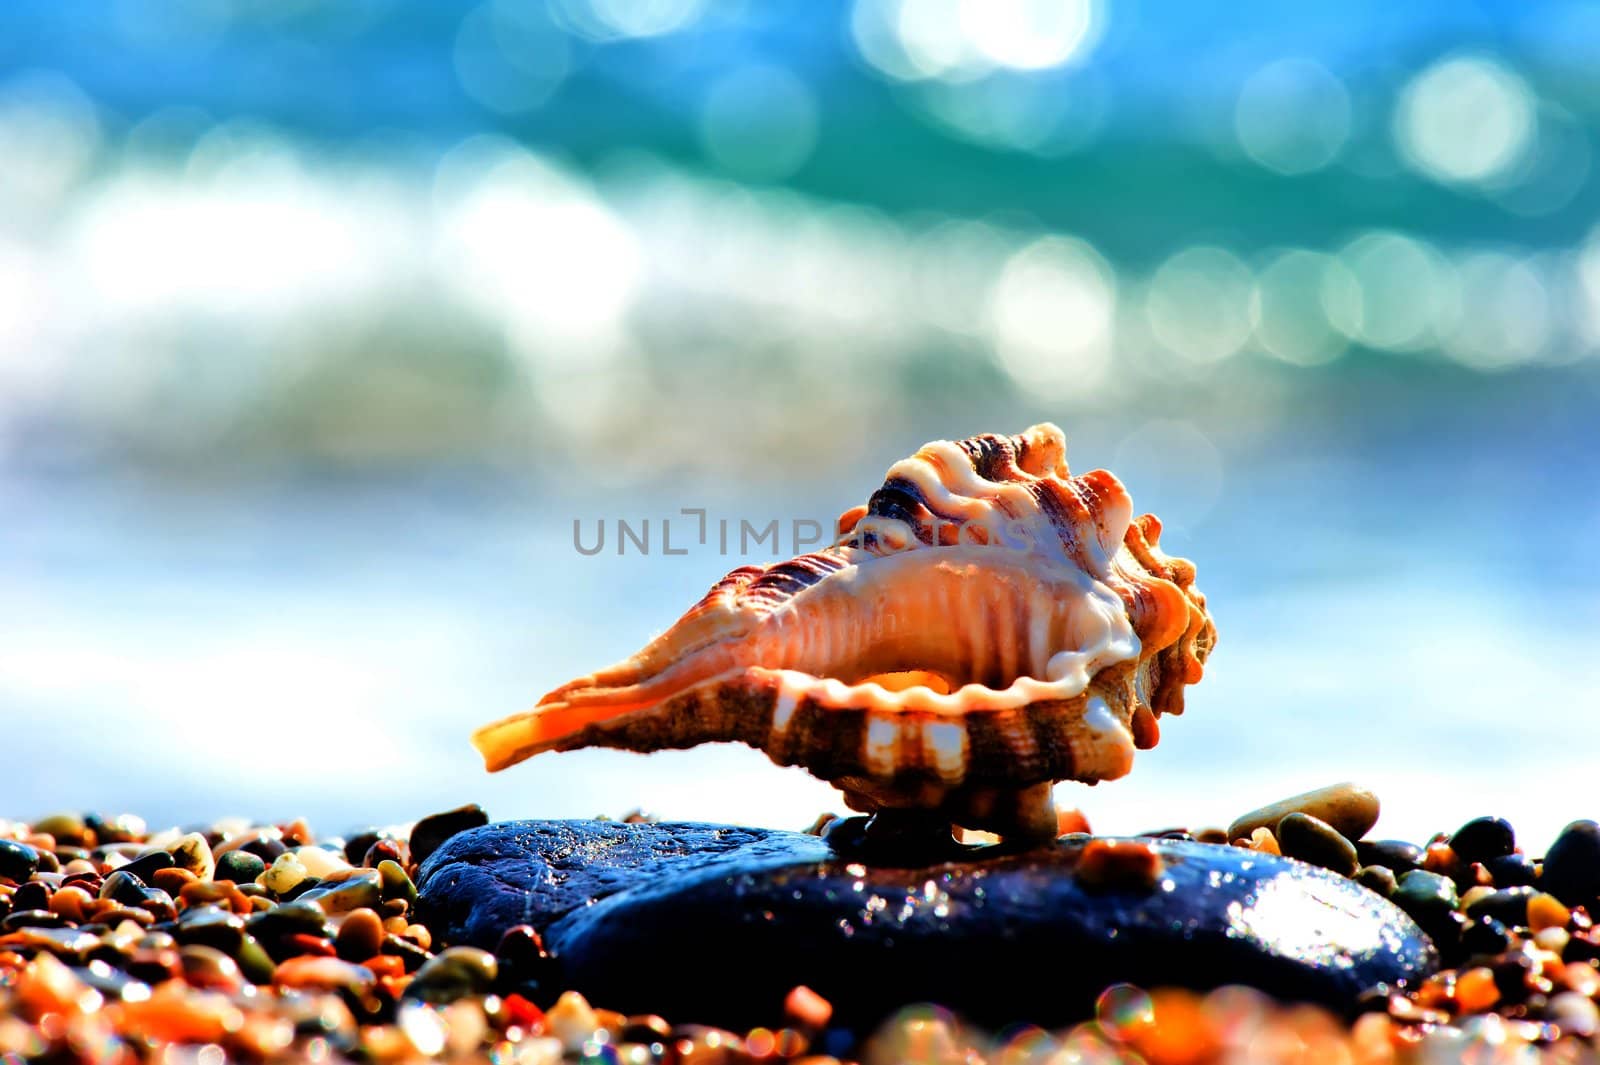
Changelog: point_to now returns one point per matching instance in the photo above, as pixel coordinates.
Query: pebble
(1311, 839)
(240, 867)
(147, 866)
(362, 889)
(65, 828)
(284, 874)
(321, 862)
(432, 831)
(1507, 905)
(18, 861)
(1484, 838)
(720, 902)
(571, 1020)
(1571, 869)
(1349, 809)
(360, 936)
(395, 883)
(1377, 879)
(193, 853)
(1509, 870)
(452, 974)
(307, 973)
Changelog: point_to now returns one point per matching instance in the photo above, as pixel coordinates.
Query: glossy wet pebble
(1349, 809)
(18, 861)
(435, 829)
(722, 903)
(1572, 864)
(1483, 839)
(1313, 840)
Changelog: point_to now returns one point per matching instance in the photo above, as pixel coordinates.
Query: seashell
(987, 624)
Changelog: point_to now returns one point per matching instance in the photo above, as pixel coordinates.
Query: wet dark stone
(211, 926)
(1572, 865)
(145, 868)
(34, 895)
(1483, 838)
(1485, 936)
(435, 829)
(1393, 854)
(32, 919)
(122, 886)
(263, 846)
(18, 861)
(1510, 870)
(746, 914)
(1509, 906)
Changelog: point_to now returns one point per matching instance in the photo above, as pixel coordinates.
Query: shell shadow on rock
(986, 625)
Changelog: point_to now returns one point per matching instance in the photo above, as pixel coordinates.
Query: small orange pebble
(1439, 858)
(1119, 863)
(1373, 1039)
(321, 974)
(176, 1013)
(807, 1008)
(419, 935)
(1176, 1031)
(522, 1013)
(70, 902)
(1264, 841)
(396, 925)
(386, 965)
(48, 986)
(172, 880)
(1476, 990)
(1071, 821)
(305, 943)
(394, 985)
(1546, 911)
(297, 833)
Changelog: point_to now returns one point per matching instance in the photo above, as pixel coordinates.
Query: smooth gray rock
(715, 924)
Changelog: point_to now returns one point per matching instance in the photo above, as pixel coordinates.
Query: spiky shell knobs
(986, 625)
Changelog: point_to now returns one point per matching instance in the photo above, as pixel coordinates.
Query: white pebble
(320, 863)
(283, 874)
(572, 1021)
(1575, 1013)
(193, 853)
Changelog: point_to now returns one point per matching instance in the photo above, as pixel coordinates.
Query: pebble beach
(269, 942)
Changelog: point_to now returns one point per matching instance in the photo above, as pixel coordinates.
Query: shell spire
(985, 625)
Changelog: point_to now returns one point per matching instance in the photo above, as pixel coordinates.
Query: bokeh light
(1291, 322)
(759, 123)
(1465, 119)
(510, 57)
(609, 20)
(960, 40)
(1051, 314)
(1293, 116)
(1200, 304)
(1505, 312)
(1403, 296)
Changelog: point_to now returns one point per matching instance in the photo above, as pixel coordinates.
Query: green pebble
(1313, 840)
(396, 884)
(452, 974)
(287, 917)
(240, 867)
(254, 961)
(1420, 890)
(364, 890)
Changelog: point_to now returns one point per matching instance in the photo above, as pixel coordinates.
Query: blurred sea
(320, 326)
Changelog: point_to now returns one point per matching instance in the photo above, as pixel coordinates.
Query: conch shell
(986, 625)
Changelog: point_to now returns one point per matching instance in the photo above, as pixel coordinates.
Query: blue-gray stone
(715, 924)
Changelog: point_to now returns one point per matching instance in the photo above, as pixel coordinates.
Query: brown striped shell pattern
(987, 624)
